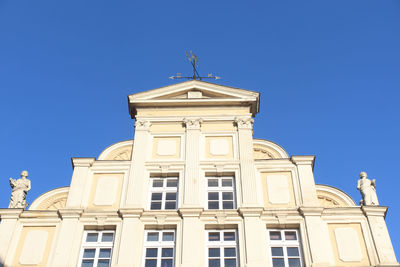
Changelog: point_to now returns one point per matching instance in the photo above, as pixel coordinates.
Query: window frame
(159, 245)
(222, 244)
(164, 190)
(96, 245)
(285, 244)
(220, 190)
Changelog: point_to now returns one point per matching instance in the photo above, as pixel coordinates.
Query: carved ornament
(192, 124)
(244, 123)
(142, 125)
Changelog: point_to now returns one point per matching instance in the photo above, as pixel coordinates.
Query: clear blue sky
(328, 73)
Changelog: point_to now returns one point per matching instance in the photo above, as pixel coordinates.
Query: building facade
(195, 189)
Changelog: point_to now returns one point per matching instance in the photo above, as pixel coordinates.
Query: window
(220, 193)
(222, 248)
(159, 248)
(164, 193)
(96, 249)
(285, 248)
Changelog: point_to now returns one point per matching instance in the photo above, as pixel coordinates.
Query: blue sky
(328, 73)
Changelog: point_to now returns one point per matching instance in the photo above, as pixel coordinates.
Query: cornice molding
(374, 210)
(82, 162)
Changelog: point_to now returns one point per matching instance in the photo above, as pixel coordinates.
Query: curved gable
(331, 197)
(52, 200)
(118, 151)
(264, 149)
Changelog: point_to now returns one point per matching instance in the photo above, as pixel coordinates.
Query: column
(192, 163)
(79, 181)
(246, 157)
(9, 219)
(136, 191)
(318, 237)
(305, 165)
(193, 246)
(380, 235)
(68, 236)
(131, 241)
(255, 237)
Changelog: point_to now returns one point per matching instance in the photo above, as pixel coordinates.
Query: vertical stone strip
(136, 191)
(9, 220)
(192, 162)
(247, 177)
(79, 182)
(306, 180)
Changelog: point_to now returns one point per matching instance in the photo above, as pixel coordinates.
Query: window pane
(213, 253)
(293, 251)
(168, 237)
(275, 235)
(87, 263)
(89, 253)
(107, 237)
(171, 196)
(156, 196)
(227, 182)
(105, 253)
(152, 236)
(229, 236)
(227, 205)
(155, 206)
(278, 263)
(91, 237)
(170, 205)
(213, 196)
(172, 183)
(157, 183)
(294, 263)
(213, 263)
(290, 235)
(103, 263)
(277, 251)
(151, 263)
(212, 182)
(227, 195)
(213, 236)
(151, 253)
(167, 253)
(166, 263)
(213, 205)
(230, 262)
(230, 252)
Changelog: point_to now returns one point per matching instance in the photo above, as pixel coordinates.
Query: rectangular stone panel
(348, 244)
(278, 189)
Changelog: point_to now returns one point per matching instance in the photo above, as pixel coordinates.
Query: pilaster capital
(70, 213)
(130, 212)
(82, 162)
(192, 123)
(10, 213)
(244, 123)
(311, 211)
(303, 160)
(190, 212)
(142, 125)
(374, 211)
(250, 211)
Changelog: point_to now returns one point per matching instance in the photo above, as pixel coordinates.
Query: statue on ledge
(367, 190)
(20, 188)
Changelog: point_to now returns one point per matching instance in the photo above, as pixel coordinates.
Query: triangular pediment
(196, 93)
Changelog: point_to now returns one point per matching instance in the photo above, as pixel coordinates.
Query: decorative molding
(124, 155)
(328, 202)
(244, 123)
(142, 125)
(192, 123)
(267, 154)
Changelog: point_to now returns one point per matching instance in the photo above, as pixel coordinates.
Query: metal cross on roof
(195, 64)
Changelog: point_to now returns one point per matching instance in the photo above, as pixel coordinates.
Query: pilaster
(305, 166)
(9, 219)
(79, 181)
(380, 235)
(246, 158)
(136, 190)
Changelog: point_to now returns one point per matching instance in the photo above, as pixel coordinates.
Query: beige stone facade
(195, 189)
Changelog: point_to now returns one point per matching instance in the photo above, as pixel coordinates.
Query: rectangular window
(97, 248)
(220, 193)
(164, 193)
(159, 248)
(285, 248)
(222, 248)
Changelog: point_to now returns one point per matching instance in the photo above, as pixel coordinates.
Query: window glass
(285, 251)
(96, 248)
(220, 193)
(159, 248)
(222, 248)
(164, 194)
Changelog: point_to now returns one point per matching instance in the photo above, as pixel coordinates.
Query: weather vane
(195, 64)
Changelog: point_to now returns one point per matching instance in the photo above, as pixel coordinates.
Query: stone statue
(20, 188)
(367, 190)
